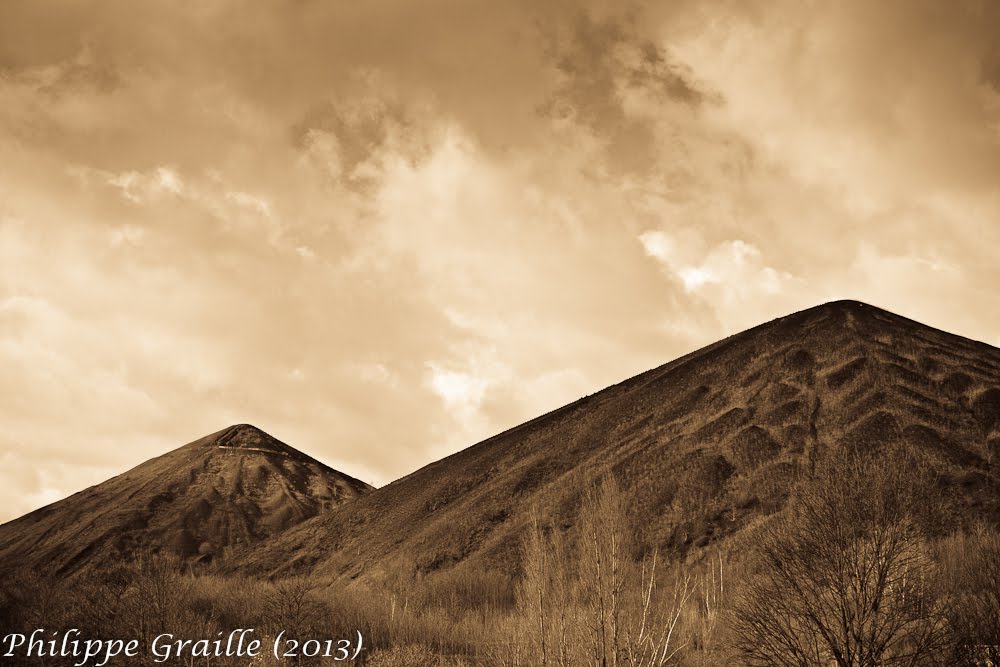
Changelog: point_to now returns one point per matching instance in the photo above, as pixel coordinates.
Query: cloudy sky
(385, 230)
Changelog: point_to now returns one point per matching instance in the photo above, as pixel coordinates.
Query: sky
(384, 231)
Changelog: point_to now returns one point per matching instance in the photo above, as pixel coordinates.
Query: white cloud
(25, 485)
(735, 266)
(459, 390)
(168, 180)
(251, 202)
(657, 245)
(731, 277)
(462, 384)
(144, 187)
(127, 235)
(376, 373)
(694, 277)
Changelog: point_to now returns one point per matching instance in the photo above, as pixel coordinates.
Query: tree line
(864, 567)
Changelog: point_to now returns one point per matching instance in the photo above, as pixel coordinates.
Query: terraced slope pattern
(235, 487)
(703, 446)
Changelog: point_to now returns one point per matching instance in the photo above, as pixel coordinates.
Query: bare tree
(292, 605)
(603, 554)
(533, 593)
(845, 579)
(702, 619)
(562, 598)
(155, 597)
(652, 639)
(975, 584)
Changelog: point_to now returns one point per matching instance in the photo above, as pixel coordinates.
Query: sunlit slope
(703, 446)
(235, 487)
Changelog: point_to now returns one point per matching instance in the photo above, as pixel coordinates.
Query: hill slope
(703, 446)
(237, 486)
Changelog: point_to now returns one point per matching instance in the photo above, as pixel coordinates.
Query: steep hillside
(235, 487)
(703, 446)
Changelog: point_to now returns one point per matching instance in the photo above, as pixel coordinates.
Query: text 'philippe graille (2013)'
(240, 643)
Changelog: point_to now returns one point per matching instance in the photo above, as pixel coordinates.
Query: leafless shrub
(846, 579)
(971, 568)
(593, 605)
(652, 639)
(292, 605)
(603, 534)
(412, 655)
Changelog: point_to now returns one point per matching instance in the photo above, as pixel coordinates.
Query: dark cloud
(360, 133)
(991, 65)
(663, 78)
(599, 61)
(384, 230)
(487, 65)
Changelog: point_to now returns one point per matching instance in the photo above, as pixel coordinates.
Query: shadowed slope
(237, 486)
(703, 446)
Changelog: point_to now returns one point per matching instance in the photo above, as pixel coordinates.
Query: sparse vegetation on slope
(235, 487)
(819, 490)
(704, 448)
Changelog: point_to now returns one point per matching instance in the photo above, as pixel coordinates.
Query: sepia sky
(384, 230)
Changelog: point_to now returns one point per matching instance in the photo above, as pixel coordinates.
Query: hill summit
(234, 487)
(704, 448)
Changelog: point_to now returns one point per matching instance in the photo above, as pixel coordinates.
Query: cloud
(384, 231)
(127, 235)
(142, 188)
(28, 486)
(732, 276)
(457, 389)
(732, 265)
(617, 83)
